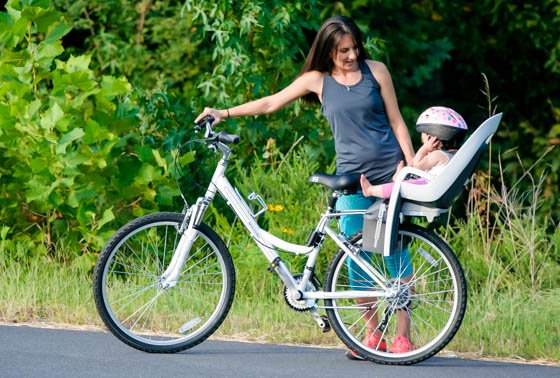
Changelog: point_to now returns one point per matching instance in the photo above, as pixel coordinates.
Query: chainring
(302, 304)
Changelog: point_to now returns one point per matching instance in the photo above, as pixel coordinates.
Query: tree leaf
(57, 32)
(146, 174)
(69, 138)
(78, 63)
(112, 86)
(12, 28)
(37, 191)
(48, 51)
(51, 116)
(4, 232)
(165, 194)
(107, 217)
(159, 160)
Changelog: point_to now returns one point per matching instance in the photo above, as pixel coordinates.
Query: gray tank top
(363, 138)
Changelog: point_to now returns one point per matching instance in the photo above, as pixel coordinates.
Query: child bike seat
(441, 190)
(438, 194)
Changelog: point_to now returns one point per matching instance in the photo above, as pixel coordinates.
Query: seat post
(332, 201)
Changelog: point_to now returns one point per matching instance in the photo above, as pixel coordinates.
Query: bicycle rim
(431, 301)
(133, 303)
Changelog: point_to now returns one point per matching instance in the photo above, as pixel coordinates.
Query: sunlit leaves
(51, 117)
(63, 130)
(67, 139)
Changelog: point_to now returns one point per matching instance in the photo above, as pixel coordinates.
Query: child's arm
(431, 160)
(427, 156)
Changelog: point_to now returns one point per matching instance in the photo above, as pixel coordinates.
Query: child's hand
(432, 144)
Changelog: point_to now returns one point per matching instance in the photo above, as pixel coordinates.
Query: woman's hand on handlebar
(217, 114)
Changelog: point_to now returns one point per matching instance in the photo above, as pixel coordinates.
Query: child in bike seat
(443, 129)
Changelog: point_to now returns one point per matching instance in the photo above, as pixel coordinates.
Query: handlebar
(210, 135)
(226, 138)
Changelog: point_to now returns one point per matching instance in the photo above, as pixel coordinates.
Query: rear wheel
(136, 307)
(430, 302)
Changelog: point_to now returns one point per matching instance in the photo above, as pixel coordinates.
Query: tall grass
(510, 254)
(511, 248)
(42, 290)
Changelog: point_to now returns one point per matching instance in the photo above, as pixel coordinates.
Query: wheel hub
(401, 297)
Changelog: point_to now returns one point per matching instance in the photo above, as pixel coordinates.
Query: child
(442, 130)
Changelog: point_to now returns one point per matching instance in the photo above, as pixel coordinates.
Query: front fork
(189, 234)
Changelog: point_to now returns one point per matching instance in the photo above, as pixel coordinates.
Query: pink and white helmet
(441, 122)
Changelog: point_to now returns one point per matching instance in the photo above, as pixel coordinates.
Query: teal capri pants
(398, 264)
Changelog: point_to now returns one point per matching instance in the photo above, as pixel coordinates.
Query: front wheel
(143, 313)
(425, 300)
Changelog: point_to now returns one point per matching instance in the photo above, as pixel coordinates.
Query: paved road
(40, 352)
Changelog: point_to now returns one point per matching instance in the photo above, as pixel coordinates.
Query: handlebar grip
(227, 138)
(202, 123)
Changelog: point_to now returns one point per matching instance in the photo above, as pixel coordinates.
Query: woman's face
(345, 55)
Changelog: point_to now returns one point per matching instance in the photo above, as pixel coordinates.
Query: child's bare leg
(370, 190)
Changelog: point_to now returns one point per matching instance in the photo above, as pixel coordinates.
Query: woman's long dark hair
(320, 57)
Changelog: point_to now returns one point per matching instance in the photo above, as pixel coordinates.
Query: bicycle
(166, 281)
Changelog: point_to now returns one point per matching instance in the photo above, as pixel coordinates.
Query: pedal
(327, 325)
(322, 320)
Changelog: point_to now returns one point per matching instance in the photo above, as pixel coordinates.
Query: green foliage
(95, 95)
(519, 52)
(149, 42)
(72, 154)
(224, 53)
(257, 48)
(209, 54)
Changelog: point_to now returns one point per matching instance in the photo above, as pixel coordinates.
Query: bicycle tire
(434, 300)
(138, 310)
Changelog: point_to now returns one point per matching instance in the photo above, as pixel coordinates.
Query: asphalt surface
(40, 352)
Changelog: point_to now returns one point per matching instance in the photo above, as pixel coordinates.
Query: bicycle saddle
(348, 183)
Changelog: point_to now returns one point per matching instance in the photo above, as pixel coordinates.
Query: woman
(358, 99)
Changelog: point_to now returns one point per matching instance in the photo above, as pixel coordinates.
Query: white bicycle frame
(269, 243)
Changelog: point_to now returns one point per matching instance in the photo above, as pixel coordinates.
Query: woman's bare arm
(311, 81)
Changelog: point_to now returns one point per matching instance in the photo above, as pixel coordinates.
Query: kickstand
(386, 315)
